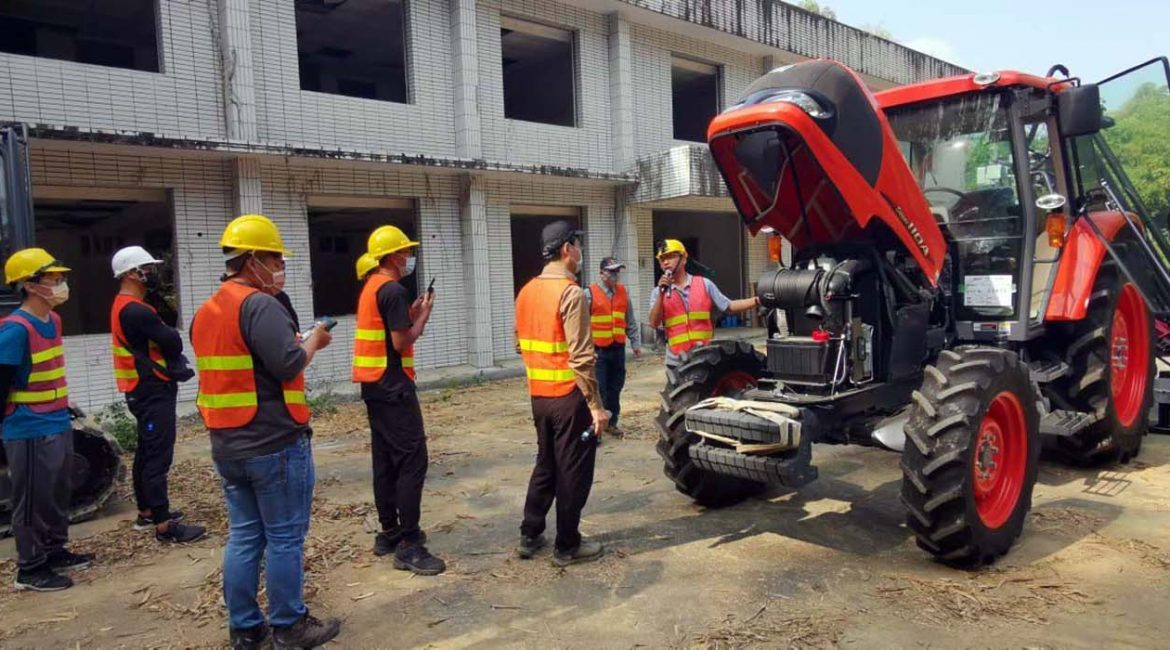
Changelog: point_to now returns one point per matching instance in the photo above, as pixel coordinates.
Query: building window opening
(694, 98)
(355, 48)
(85, 234)
(539, 72)
(119, 34)
(337, 236)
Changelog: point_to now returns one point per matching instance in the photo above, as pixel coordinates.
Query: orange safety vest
(46, 390)
(125, 370)
(608, 318)
(688, 326)
(542, 339)
(370, 347)
(227, 378)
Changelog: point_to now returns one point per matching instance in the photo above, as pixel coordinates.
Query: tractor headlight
(803, 100)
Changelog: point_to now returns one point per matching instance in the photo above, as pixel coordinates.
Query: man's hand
(319, 338)
(637, 352)
(664, 282)
(416, 308)
(600, 420)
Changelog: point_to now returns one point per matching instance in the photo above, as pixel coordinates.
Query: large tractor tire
(1113, 367)
(971, 456)
(96, 469)
(721, 368)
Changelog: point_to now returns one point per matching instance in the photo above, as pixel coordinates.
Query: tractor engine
(840, 321)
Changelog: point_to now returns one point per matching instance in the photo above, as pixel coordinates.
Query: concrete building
(468, 123)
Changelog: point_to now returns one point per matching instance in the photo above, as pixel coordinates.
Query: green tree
(1140, 137)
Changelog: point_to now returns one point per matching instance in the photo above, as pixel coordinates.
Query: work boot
(529, 546)
(252, 638)
(416, 558)
(386, 541)
(177, 533)
(586, 551)
(616, 431)
(64, 560)
(145, 523)
(308, 632)
(41, 578)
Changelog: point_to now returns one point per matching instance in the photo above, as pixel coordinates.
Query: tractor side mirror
(1050, 202)
(1079, 110)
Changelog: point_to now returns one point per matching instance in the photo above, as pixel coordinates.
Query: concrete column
(477, 291)
(247, 191)
(625, 248)
(465, 54)
(621, 90)
(235, 45)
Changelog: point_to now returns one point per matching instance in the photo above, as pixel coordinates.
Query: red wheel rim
(1129, 355)
(1000, 460)
(734, 382)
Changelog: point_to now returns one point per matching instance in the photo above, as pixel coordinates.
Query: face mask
(411, 262)
(578, 257)
(55, 295)
(275, 278)
(149, 280)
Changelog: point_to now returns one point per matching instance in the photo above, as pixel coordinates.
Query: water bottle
(586, 434)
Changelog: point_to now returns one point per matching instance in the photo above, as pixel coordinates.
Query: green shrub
(322, 401)
(116, 420)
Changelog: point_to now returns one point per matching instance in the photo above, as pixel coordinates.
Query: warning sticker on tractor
(988, 291)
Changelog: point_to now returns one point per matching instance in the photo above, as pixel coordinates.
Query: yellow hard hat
(253, 232)
(29, 262)
(668, 246)
(364, 265)
(386, 240)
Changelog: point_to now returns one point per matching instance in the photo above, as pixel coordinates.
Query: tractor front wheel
(971, 456)
(721, 368)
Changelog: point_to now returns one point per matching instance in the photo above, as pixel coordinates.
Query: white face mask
(275, 281)
(578, 257)
(55, 295)
(411, 262)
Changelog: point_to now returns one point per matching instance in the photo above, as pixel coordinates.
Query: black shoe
(145, 523)
(529, 546)
(253, 638)
(177, 533)
(41, 579)
(306, 633)
(416, 558)
(63, 560)
(386, 541)
(586, 551)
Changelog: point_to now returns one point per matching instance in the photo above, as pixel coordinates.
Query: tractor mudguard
(1080, 260)
(808, 152)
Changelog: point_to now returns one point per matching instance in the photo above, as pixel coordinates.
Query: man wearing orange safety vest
(148, 364)
(35, 423)
(251, 363)
(554, 338)
(683, 303)
(388, 324)
(613, 323)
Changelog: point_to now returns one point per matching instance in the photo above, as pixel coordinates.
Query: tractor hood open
(808, 152)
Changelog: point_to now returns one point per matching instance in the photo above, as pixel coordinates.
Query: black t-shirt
(394, 306)
(141, 325)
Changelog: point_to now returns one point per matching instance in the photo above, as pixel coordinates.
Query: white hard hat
(130, 258)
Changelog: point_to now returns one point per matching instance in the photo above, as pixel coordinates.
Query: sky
(1093, 39)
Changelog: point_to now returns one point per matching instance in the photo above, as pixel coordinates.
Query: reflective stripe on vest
(45, 391)
(686, 325)
(227, 380)
(541, 335)
(125, 369)
(370, 347)
(608, 317)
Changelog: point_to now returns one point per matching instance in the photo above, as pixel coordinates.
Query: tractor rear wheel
(721, 368)
(1112, 357)
(971, 456)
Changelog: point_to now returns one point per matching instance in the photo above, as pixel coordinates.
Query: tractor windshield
(960, 152)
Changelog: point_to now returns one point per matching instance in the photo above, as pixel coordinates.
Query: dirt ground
(831, 565)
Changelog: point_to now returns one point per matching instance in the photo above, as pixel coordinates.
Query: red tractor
(974, 278)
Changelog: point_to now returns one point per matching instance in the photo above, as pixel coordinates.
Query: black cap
(555, 235)
(611, 264)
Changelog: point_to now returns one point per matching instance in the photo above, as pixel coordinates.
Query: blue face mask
(410, 264)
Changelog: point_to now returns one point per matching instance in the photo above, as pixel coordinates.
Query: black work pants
(398, 444)
(611, 378)
(564, 467)
(153, 406)
(40, 469)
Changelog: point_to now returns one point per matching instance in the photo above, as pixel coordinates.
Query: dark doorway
(337, 237)
(526, 245)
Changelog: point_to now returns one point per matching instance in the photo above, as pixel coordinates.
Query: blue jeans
(268, 502)
(611, 378)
